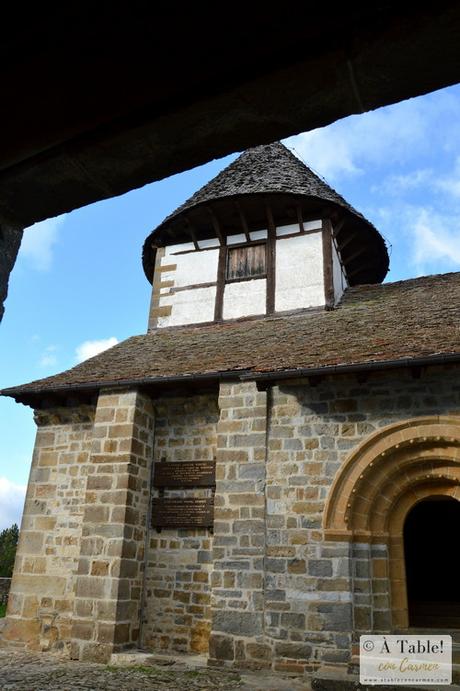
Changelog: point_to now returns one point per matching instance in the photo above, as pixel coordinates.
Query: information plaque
(183, 512)
(185, 474)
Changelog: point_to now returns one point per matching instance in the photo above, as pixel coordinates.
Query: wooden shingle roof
(261, 170)
(405, 322)
(269, 172)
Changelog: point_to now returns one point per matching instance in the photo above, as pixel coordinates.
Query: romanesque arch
(383, 478)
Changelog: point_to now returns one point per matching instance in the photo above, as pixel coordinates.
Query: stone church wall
(314, 592)
(265, 589)
(41, 599)
(176, 614)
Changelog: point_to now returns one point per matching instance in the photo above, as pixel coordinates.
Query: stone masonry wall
(179, 562)
(239, 528)
(282, 596)
(108, 589)
(41, 598)
(316, 594)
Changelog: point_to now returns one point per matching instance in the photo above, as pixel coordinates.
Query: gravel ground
(24, 671)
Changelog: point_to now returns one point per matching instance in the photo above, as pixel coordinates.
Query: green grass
(2, 610)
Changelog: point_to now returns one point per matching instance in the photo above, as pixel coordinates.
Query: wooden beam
(220, 288)
(349, 239)
(243, 220)
(271, 260)
(299, 218)
(338, 226)
(327, 264)
(355, 255)
(169, 232)
(216, 224)
(361, 268)
(191, 231)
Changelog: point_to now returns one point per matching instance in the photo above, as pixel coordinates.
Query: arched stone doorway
(388, 474)
(431, 530)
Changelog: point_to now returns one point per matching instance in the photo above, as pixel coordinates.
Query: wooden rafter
(355, 255)
(216, 225)
(271, 259)
(339, 226)
(243, 220)
(300, 218)
(191, 231)
(346, 242)
(361, 268)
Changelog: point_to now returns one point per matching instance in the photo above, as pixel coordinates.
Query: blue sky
(78, 283)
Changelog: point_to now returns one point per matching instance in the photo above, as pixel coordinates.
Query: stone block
(96, 514)
(319, 567)
(336, 616)
(238, 623)
(296, 651)
(293, 620)
(83, 630)
(48, 458)
(297, 566)
(42, 585)
(99, 568)
(259, 651)
(221, 647)
(95, 652)
(275, 565)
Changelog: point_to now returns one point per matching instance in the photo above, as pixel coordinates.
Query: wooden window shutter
(246, 262)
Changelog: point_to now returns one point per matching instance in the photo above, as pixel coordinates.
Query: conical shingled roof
(271, 171)
(262, 170)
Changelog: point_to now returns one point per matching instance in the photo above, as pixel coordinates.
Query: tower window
(246, 262)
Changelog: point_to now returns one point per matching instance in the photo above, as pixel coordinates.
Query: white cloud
(11, 502)
(38, 243)
(428, 239)
(451, 183)
(326, 151)
(89, 349)
(436, 239)
(390, 135)
(400, 184)
(49, 357)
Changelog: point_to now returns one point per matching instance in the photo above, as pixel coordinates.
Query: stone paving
(24, 671)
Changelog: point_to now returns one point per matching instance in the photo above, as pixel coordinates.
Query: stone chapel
(274, 468)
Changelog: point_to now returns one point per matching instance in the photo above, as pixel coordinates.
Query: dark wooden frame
(271, 261)
(328, 271)
(242, 279)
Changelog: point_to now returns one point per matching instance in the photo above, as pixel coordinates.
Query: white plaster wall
(189, 306)
(183, 247)
(245, 298)
(193, 268)
(338, 276)
(299, 278)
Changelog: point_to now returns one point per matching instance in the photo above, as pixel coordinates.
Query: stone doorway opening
(431, 529)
